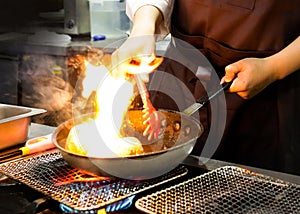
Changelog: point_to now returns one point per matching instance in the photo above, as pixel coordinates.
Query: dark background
(16, 13)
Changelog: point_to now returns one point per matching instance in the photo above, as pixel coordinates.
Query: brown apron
(263, 131)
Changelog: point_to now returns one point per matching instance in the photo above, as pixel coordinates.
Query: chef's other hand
(250, 76)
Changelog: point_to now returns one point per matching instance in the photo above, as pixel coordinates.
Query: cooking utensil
(204, 100)
(33, 145)
(151, 115)
(158, 158)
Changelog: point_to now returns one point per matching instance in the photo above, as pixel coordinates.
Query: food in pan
(85, 139)
(170, 128)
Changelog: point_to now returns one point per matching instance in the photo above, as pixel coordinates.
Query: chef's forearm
(164, 6)
(145, 20)
(287, 60)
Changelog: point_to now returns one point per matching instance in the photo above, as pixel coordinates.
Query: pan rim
(138, 156)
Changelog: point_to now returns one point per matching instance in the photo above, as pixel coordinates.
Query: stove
(227, 189)
(45, 183)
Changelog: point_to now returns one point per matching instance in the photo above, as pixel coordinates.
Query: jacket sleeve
(165, 6)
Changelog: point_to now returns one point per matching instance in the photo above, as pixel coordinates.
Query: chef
(253, 43)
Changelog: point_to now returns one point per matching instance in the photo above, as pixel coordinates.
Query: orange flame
(113, 97)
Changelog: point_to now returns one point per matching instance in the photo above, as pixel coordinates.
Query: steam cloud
(52, 83)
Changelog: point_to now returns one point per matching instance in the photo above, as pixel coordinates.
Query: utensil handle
(39, 144)
(33, 145)
(211, 95)
(142, 88)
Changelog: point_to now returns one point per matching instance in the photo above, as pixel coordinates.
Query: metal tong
(146, 65)
(151, 116)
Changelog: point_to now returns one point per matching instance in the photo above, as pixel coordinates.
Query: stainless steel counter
(36, 130)
(211, 164)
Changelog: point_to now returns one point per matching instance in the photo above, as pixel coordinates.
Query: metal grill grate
(225, 190)
(51, 175)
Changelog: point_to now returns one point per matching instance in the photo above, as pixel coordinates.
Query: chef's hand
(141, 41)
(250, 76)
(135, 47)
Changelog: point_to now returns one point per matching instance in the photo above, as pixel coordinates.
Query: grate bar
(225, 190)
(50, 174)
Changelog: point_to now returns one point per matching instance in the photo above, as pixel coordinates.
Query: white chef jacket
(165, 6)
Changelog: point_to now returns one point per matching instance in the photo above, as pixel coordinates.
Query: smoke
(43, 83)
(55, 83)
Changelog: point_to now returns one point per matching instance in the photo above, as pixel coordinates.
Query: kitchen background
(44, 46)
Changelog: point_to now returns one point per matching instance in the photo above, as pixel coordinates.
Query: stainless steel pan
(160, 157)
(177, 142)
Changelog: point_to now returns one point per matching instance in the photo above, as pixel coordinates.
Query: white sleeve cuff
(165, 6)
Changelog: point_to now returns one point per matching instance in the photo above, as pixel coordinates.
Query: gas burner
(75, 189)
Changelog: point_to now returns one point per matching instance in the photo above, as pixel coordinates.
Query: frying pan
(158, 158)
(180, 134)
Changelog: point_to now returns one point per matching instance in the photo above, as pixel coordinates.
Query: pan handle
(211, 95)
(204, 100)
